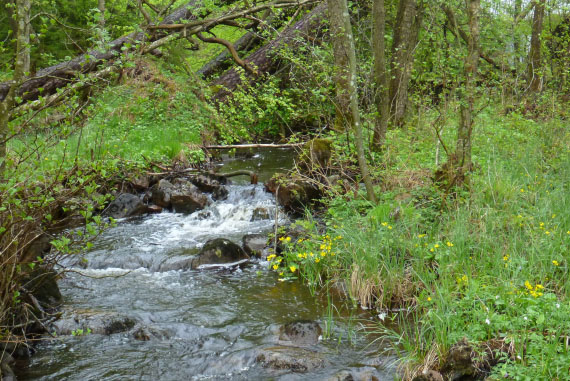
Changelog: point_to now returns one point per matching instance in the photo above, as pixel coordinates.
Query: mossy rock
(316, 155)
(219, 251)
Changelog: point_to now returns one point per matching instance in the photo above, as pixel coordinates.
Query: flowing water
(205, 324)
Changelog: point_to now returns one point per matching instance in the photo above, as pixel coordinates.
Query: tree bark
(465, 129)
(534, 75)
(21, 67)
(266, 60)
(345, 82)
(406, 31)
(381, 78)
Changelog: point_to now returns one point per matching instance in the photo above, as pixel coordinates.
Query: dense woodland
(434, 153)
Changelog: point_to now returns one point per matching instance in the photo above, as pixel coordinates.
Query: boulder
(205, 183)
(294, 194)
(141, 183)
(219, 251)
(316, 155)
(161, 193)
(290, 358)
(126, 205)
(253, 244)
(211, 184)
(301, 332)
(182, 196)
(100, 323)
(260, 214)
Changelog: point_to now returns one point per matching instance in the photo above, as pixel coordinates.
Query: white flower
(557, 305)
(525, 318)
(488, 321)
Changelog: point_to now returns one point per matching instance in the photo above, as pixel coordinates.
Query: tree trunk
(345, 81)
(406, 30)
(534, 75)
(464, 133)
(101, 7)
(381, 96)
(21, 67)
(48, 80)
(266, 60)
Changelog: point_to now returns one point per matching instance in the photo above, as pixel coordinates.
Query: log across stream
(134, 312)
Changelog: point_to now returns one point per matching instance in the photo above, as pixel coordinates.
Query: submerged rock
(126, 205)
(361, 374)
(260, 214)
(253, 244)
(100, 323)
(290, 358)
(301, 332)
(219, 251)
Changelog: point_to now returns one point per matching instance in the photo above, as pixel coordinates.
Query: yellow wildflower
(429, 299)
(432, 250)
(436, 245)
(528, 285)
(293, 268)
(384, 224)
(275, 267)
(270, 257)
(555, 263)
(317, 260)
(449, 244)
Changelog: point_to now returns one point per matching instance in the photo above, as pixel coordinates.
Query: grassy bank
(489, 266)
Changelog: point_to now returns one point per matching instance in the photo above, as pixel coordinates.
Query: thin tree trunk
(534, 75)
(345, 69)
(406, 30)
(21, 67)
(382, 95)
(101, 7)
(465, 130)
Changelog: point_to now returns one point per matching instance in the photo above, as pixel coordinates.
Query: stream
(201, 324)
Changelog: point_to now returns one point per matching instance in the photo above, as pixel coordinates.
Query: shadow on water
(201, 324)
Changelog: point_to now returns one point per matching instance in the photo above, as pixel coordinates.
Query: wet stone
(219, 251)
(253, 244)
(302, 332)
(290, 358)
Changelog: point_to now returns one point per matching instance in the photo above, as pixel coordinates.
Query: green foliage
(490, 268)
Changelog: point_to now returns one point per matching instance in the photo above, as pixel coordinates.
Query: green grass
(490, 265)
(140, 120)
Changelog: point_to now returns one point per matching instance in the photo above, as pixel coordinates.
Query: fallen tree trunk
(224, 60)
(48, 80)
(238, 146)
(266, 59)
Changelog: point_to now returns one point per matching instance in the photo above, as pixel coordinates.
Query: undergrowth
(490, 264)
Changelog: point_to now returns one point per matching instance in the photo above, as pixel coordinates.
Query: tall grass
(490, 264)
